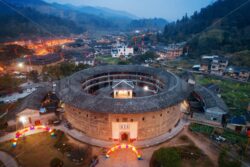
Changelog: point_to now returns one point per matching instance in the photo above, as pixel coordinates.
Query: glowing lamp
(145, 88)
(20, 65)
(23, 119)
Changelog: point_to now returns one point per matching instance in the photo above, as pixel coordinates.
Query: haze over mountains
(59, 19)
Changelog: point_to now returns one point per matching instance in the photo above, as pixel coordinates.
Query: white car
(220, 138)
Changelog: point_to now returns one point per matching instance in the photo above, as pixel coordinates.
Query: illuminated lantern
(124, 146)
(21, 132)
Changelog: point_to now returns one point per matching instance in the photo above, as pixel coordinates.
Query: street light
(20, 65)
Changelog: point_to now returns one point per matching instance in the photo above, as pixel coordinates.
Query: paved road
(8, 160)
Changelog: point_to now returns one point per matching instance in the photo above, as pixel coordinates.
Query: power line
(32, 21)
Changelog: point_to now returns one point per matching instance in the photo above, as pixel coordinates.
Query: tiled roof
(175, 91)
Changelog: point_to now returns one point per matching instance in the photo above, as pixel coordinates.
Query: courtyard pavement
(100, 143)
(7, 160)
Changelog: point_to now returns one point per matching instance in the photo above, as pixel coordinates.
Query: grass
(235, 95)
(235, 137)
(207, 130)
(193, 157)
(108, 59)
(190, 156)
(36, 151)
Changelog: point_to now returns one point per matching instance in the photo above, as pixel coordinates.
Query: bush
(165, 157)
(234, 137)
(56, 162)
(60, 139)
(3, 124)
(225, 161)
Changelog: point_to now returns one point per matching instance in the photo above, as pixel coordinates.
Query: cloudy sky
(168, 9)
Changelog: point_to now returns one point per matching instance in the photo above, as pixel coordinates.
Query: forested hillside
(220, 28)
(155, 23)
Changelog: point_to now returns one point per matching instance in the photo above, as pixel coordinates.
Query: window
(161, 115)
(177, 123)
(131, 120)
(153, 117)
(143, 118)
(87, 115)
(117, 120)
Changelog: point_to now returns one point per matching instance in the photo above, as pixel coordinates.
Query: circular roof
(70, 90)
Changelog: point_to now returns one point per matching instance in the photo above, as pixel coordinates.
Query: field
(36, 151)
(184, 156)
(207, 130)
(235, 95)
(108, 60)
(229, 135)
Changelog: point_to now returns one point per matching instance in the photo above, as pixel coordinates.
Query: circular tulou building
(123, 103)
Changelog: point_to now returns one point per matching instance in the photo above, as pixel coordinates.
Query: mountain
(156, 23)
(75, 13)
(34, 18)
(221, 28)
(104, 12)
(15, 25)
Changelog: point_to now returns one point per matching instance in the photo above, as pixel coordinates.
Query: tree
(3, 123)
(210, 32)
(165, 157)
(225, 161)
(147, 56)
(61, 70)
(8, 83)
(33, 75)
(56, 162)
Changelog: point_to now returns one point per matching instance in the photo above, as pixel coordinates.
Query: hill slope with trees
(221, 28)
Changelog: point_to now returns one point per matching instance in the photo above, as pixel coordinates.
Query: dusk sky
(168, 9)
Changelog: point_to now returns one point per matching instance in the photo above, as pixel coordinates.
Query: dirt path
(204, 144)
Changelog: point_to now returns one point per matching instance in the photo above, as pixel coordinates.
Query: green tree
(225, 161)
(146, 56)
(8, 83)
(165, 157)
(33, 75)
(56, 162)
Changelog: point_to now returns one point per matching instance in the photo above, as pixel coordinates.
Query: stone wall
(99, 125)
